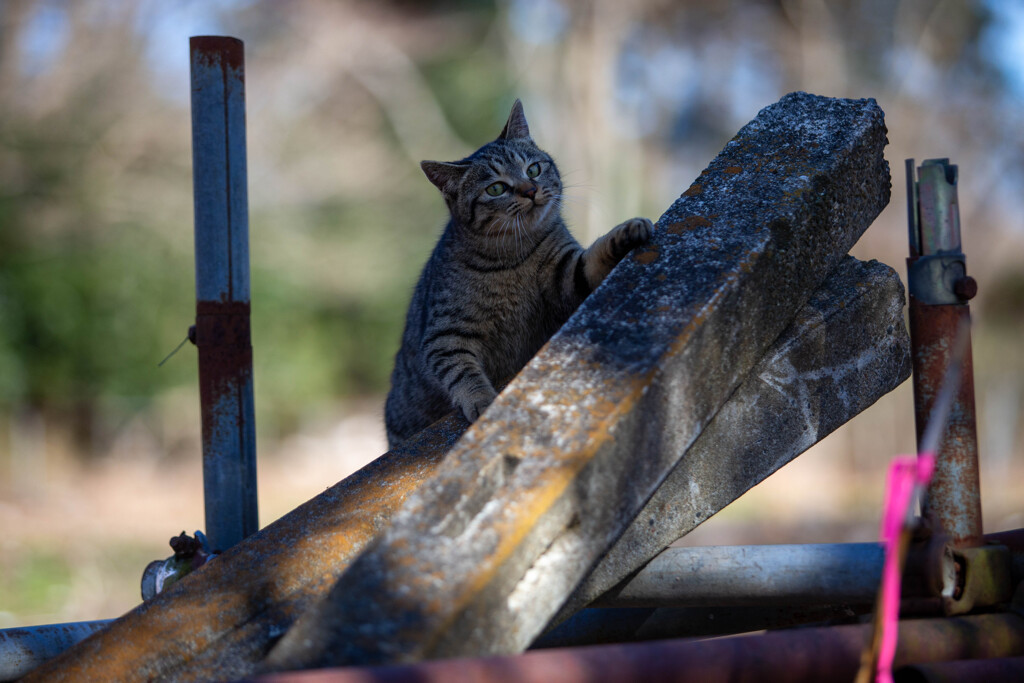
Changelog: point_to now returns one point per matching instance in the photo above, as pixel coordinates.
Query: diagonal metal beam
(586, 433)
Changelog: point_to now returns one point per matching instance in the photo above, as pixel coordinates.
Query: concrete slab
(592, 426)
(844, 350)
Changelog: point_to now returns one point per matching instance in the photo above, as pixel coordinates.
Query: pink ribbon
(907, 479)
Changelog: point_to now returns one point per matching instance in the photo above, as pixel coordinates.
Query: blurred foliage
(344, 98)
(39, 581)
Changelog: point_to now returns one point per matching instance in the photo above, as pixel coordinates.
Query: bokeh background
(100, 448)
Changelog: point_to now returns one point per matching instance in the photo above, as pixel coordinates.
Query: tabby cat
(504, 276)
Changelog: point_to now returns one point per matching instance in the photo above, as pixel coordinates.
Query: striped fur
(505, 275)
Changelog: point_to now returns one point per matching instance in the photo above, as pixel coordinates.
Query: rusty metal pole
(939, 290)
(222, 288)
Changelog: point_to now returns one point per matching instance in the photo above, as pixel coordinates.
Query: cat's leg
(459, 372)
(608, 250)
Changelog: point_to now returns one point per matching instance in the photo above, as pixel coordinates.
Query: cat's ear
(516, 126)
(445, 176)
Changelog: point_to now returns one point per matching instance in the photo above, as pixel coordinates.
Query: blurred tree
(346, 97)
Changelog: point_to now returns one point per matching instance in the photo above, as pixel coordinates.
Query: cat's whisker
(561, 201)
(515, 227)
(573, 186)
(506, 227)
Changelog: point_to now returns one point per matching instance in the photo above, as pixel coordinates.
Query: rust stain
(694, 190)
(525, 506)
(647, 255)
(733, 170)
(687, 224)
(953, 504)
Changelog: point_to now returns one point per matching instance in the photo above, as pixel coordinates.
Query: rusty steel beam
(570, 452)
(846, 348)
(222, 289)
(939, 290)
(793, 656)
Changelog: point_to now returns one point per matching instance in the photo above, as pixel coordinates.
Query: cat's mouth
(539, 209)
(533, 213)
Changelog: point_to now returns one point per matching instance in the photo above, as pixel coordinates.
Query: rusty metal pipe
(222, 289)
(23, 649)
(808, 654)
(939, 290)
(1000, 670)
(605, 625)
(816, 574)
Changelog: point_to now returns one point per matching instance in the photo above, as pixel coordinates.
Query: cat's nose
(528, 191)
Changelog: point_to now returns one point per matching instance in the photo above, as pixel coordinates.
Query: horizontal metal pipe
(595, 626)
(819, 574)
(807, 654)
(23, 649)
(603, 625)
(988, 670)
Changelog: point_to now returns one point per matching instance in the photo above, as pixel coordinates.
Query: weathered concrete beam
(224, 617)
(846, 317)
(845, 349)
(586, 433)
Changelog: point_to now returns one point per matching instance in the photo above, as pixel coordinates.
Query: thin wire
(176, 349)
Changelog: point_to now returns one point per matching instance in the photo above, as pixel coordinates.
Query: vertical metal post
(222, 288)
(939, 290)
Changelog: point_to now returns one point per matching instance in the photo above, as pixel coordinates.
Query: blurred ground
(74, 545)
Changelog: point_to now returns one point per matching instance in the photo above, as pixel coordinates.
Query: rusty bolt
(185, 546)
(965, 287)
(958, 590)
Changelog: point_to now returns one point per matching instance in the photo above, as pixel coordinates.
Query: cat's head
(507, 185)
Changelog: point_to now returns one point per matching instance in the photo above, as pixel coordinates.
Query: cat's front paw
(474, 403)
(630, 234)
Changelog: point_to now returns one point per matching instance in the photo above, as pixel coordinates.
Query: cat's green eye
(534, 170)
(496, 189)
